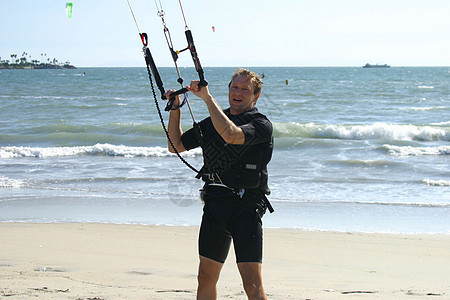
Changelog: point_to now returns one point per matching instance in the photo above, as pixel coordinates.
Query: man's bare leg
(208, 275)
(252, 279)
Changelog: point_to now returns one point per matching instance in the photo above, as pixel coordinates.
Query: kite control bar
(151, 64)
(151, 68)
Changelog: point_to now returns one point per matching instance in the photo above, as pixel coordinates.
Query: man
(237, 145)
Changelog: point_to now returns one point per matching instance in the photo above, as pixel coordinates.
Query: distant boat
(376, 66)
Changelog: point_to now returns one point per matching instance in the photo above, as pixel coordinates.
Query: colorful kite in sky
(69, 9)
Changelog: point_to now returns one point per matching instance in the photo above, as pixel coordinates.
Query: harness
(260, 209)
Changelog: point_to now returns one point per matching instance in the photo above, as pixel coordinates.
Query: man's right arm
(174, 126)
(230, 133)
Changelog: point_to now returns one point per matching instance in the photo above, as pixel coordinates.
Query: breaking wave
(98, 149)
(415, 151)
(6, 182)
(436, 182)
(381, 131)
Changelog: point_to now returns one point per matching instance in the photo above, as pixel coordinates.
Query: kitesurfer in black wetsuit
(237, 145)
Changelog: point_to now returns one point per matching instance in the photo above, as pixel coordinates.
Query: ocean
(356, 150)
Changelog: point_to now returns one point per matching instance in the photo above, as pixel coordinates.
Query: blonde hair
(252, 76)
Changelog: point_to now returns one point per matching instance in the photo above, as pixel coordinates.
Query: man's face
(241, 95)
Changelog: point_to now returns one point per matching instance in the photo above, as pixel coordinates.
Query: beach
(108, 261)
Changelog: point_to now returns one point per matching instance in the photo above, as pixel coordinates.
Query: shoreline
(265, 227)
(110, 261)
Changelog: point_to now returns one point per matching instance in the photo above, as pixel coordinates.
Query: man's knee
(252, 280)
(205, 277)
(208, 271)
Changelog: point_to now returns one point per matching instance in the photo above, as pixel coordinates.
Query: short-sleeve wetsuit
(235, 211)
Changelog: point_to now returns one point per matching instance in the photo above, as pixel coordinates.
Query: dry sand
(105, 261)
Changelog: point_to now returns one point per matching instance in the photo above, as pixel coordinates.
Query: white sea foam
(428, 108)
(441, 123)
(361, 132)
(416, 151)
(6, 182)
(440, 182)
(98, 149)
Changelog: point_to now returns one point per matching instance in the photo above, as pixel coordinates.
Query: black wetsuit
(235, 211)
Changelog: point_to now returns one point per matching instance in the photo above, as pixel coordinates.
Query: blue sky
(247, 32)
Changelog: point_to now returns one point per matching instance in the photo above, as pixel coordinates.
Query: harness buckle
(241, 193)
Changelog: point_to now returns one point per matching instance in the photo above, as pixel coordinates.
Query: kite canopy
(69, 9)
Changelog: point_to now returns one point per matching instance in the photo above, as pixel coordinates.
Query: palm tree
(23, 59)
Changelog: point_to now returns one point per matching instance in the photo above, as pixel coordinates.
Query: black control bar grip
(198, 66)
